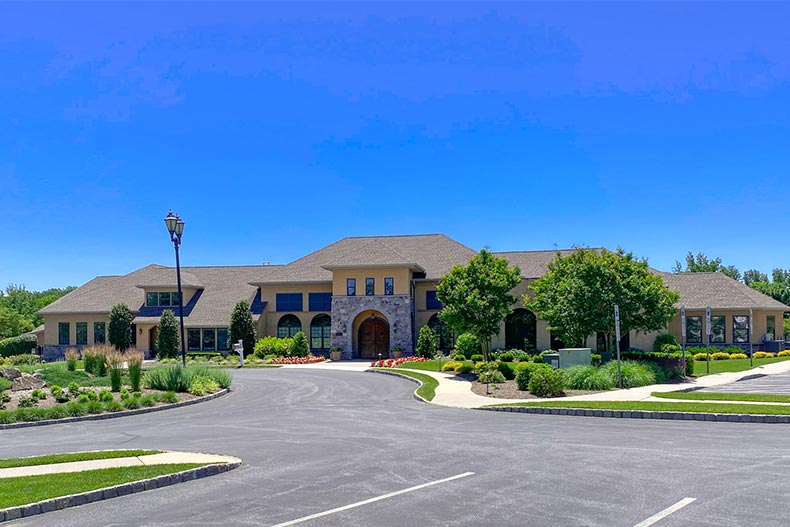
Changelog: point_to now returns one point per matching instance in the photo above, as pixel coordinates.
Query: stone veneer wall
(397, 309)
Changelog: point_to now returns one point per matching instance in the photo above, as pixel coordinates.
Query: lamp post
(175, 226)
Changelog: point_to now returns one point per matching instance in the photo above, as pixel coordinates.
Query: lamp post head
(170, 221)
(179, 227)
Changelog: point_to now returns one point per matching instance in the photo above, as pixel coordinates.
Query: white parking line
(666, 512)
(373, 500)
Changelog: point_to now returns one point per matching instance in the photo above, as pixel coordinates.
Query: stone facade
(397, 309)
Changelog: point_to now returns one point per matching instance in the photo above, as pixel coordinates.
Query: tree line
(19, 307)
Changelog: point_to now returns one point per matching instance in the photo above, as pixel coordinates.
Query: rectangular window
(320, 301)
(370, 286)
(289, 301)
(82, 333)
(718, 334)
(389, 286)
(193, 339)
(99, 332)
(174, 298)
(209, 339)
(152, 299)
(694, 330)
(770, 325)
(63, 333)
(222, 339)
(351, 286)
(431, 302)
(164, 299)
(740, 329)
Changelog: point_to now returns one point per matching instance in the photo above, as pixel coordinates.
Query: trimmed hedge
(18, 345)
(671, 363)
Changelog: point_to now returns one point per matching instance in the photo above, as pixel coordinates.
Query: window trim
(768, 327)
(389, 286)
(200, 339)
(203, 333)
(688, 326)
(103, 338)
(289, 302)
(62, 325)
(77, 339)
(370, 286)
(724, 329)
(289, 328)
(735, 332)
(351, 287)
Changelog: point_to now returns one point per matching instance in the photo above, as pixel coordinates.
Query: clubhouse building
(368, 295)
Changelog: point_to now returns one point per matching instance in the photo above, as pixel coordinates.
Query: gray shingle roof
(222, 288)
(436, 253)
(717, 290)
(166, 277)
(533, 264)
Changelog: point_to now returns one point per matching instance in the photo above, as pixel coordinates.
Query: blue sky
(274, 129)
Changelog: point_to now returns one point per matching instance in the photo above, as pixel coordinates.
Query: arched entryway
(521, 330)
(374, 338)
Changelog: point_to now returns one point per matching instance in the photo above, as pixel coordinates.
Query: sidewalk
(457, 392)
(165, 458)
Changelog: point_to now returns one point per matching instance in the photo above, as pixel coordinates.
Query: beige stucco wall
(51, 327)
(401, 280)
(267, 323)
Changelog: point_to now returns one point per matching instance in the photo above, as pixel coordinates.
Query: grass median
(31, 489)
(732, 365)
(711, 396)
(659, 406)
(76, 456)
(428, 384)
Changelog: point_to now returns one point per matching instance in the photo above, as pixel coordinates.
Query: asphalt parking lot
(343, 448)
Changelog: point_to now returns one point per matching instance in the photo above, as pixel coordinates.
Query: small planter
(396, 353)
(336, 354)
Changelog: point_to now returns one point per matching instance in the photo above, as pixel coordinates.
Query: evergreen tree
(167, 339)
(119, 332)
(426, 343)
(242, 327)
(299, 346)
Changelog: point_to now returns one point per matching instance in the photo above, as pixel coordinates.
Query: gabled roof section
(375, 253)
(534, 264)
(719, 291)
(435, 253)
(165, 277)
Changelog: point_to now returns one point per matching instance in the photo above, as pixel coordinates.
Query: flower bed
(392, 363)
(297, 360)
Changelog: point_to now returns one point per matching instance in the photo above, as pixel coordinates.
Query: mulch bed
(509, 390)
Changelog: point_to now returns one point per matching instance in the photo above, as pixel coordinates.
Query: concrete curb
(74, 500)
(643, 414)
(112, 415)
(397, 374)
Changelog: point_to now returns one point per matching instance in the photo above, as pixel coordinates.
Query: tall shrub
(299, 346)
(114, 361)
(167, 339)
(242, 327)
(467, 345)
(426, 343)
(134, 360)
(119, 332)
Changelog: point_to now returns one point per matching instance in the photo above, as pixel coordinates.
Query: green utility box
(574, 357)
(552, 359)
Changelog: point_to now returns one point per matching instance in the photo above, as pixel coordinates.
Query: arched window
(288, 326)
(521, 330)
(445, 338)
(320, 333)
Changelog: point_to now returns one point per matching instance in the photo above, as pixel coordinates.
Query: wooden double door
(374, 339)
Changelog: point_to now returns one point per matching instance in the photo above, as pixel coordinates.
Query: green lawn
(721, 366)
(31, 489)
(431, 365)
(656, 406)
(711, 396)
(67, 458)
(427, 389)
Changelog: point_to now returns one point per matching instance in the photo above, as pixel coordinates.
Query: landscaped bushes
(785, 353)
(588, 378)
(671, 362)
(662, 340)
(180, 379)
(467, 345)
(547, 382)
(272, 346)
(524, 371)
(763, 355)
(18, 345)
(634, 374)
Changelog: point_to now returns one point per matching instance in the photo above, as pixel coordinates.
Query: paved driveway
(316, 440)
(773, 384)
